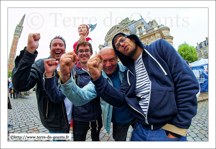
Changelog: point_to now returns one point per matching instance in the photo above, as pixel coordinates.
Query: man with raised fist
(86, 116)
(55, 114)
(159, 87)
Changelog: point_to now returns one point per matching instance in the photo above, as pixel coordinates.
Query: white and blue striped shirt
(142, 84)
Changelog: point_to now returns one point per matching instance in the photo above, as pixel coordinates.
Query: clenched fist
(67, 62)
(95, 66)
(33, 44)
(50, 66)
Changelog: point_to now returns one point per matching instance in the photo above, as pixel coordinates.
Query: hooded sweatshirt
(173, 86)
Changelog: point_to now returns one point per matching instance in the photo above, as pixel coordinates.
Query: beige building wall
(146, 36)
(202, 49)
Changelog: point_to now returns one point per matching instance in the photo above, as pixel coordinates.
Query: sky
(189, 22)
(188, 25)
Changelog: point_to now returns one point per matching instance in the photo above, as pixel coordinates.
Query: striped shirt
(142, 84)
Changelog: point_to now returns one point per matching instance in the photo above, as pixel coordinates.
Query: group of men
(152, 89)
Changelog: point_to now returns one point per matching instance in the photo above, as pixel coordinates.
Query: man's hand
(67, 62)
(33, 44)
(95, 66)
(82, 38)
(50, 66)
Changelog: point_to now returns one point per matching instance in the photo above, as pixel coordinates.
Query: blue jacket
(107, 109)
(90, 111)
(173, 87)
(81, 96)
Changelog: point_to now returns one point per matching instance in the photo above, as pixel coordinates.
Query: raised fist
(33, 44)
(67, 62)
(95, 66)
(50, 66)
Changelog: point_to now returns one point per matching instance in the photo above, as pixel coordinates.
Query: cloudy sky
(189, 22)
(188, 25)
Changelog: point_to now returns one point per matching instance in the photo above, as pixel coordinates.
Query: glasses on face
(122, 40)
(82, 51)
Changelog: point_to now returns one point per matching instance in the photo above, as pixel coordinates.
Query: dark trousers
(80, 130)
(15, 94)
(120, 131)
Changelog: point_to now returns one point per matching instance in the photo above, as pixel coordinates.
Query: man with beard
(159, 87)
(55, 114)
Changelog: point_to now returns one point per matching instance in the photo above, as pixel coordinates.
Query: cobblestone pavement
(24, 118)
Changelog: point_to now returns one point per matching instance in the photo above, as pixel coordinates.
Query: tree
(9, 74)
(187, 52)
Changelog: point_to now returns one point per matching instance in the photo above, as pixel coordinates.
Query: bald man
(114, 73)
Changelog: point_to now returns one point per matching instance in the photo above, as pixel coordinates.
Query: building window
(199, 53)
(140, 30)
(205, 51)
(200, 45)
(206, 56)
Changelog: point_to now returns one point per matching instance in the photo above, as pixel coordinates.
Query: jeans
(80, 130)
(120, 131)
(15, 94)
(141, 133)
(67, 131)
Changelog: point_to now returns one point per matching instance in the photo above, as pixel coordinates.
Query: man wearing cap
(159, 87)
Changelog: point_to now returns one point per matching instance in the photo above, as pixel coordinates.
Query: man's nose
(108, 64)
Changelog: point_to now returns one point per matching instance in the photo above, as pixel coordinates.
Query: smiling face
(57, 48)
(84, 53)
(109, 60)
(126, 46)
(83, 30)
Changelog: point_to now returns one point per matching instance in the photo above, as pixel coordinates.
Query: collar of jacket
(122, 68)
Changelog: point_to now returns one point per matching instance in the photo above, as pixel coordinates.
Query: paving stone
(192, 134)
(203, 132)
(195, 131)
(190, 139)
(25, 115)
(101, 135)
(104, 139)
(204, 139)
(197, 139)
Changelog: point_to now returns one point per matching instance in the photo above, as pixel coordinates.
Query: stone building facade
(202, 49)
(147, 32)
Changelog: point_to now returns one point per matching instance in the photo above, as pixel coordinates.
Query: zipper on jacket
(139, 112)
(47, 109)
(66, 121)
(156, 61)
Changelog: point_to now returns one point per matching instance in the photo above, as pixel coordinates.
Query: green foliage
(9, 74)
(188, 52)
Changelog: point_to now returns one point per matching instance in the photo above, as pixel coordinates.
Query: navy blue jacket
(173, 87)
(92, 110)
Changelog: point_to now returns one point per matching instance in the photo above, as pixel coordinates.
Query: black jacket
(25, 76)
